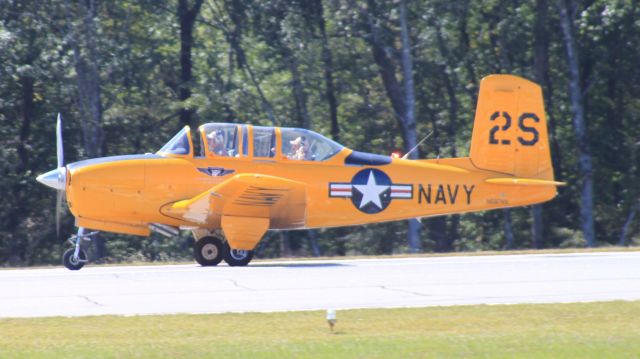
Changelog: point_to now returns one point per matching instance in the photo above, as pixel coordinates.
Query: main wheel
(237, 257)
(208, 251)
(70, 262)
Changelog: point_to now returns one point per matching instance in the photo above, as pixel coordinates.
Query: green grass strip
(580, 330)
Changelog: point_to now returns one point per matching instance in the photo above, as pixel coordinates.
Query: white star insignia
(371, 191)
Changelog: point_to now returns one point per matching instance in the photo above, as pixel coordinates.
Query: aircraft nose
(55, 179)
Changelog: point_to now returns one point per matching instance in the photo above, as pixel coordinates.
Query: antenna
(416, 146)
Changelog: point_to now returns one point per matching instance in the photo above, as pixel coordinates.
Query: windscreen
(179, 144)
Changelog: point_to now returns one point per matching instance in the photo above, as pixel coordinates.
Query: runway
(309, 285)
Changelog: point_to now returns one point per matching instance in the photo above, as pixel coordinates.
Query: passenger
(299, 148)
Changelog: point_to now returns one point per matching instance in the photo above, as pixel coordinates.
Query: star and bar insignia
(371, 190)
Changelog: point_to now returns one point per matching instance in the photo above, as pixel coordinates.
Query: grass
(580, 330)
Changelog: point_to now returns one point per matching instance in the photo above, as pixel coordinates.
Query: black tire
(67, 259)
(208, 251)
(237, 257)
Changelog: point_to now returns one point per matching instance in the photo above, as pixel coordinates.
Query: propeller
(59, 149)
(62, 171)
(57, 178)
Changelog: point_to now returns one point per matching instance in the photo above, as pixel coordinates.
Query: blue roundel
(371, 190)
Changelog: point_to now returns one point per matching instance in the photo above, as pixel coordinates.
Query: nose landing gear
(74, 258)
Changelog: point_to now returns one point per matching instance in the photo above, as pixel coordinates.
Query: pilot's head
(216, 139)
(300, 141)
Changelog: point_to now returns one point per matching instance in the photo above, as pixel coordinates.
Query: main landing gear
(75, 257)
(210, 250)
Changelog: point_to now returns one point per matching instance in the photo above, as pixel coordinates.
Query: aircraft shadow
(298, 265)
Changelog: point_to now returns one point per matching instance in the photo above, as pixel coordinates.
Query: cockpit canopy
(233, 140)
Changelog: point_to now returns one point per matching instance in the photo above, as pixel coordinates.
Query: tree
(187, 17)
(541, 74)
(85, 53)
(317, 13)
(234, 35)
(627, 224)
(409, 118)
(401, 97)
(567, 11)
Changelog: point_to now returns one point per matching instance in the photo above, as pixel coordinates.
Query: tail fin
(510, 129)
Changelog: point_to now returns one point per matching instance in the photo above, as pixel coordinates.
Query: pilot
(216, 143)
(299, 148)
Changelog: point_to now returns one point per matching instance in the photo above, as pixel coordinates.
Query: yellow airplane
(245, 180)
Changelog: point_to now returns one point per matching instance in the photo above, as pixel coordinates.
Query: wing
(280, 200)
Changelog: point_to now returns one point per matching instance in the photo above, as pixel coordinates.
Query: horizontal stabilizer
(524, 181)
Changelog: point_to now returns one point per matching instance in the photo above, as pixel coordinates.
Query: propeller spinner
(57, 178)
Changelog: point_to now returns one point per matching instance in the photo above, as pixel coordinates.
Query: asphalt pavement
(310, 285)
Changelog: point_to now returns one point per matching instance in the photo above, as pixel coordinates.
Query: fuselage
(126, 194)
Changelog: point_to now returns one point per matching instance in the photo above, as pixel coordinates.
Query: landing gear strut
(74, 258)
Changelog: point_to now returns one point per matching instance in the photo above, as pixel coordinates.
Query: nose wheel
(75, 258)
(71, 261)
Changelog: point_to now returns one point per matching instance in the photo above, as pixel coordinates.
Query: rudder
(510, 129)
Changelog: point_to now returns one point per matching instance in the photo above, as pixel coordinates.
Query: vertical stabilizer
(510, 129)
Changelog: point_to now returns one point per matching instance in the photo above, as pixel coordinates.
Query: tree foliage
(329, 65)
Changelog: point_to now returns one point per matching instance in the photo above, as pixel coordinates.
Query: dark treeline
(375, 75)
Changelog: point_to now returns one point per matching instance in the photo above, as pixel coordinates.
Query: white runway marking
(309, 285)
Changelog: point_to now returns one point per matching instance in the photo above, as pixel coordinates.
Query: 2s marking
(524, 124)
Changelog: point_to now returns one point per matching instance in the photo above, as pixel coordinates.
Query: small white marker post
(331, 318)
